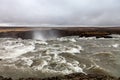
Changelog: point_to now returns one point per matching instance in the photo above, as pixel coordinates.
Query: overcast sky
(60, 12)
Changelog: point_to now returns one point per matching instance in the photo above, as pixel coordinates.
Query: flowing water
(61, 56)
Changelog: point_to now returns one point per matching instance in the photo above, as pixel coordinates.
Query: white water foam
(61, 56)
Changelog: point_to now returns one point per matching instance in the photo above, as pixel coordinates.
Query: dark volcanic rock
(74, 76)
(77, 76)
(27, 33)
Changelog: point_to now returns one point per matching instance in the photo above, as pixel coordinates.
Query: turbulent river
(60, 56)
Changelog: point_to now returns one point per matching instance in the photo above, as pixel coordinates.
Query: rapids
(60, 56)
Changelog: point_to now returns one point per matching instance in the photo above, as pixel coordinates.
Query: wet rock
(1, 77)
(74, 76)
(77, 76)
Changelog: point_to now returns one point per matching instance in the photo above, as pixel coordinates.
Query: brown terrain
(74, 76)
(23, 32)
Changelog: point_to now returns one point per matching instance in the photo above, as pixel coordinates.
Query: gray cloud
(62, 12)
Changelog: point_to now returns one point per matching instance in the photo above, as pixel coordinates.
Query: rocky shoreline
(74, 76)
(27, 32)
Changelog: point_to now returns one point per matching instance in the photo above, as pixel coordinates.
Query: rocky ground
(74, 76)
(27, 32)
